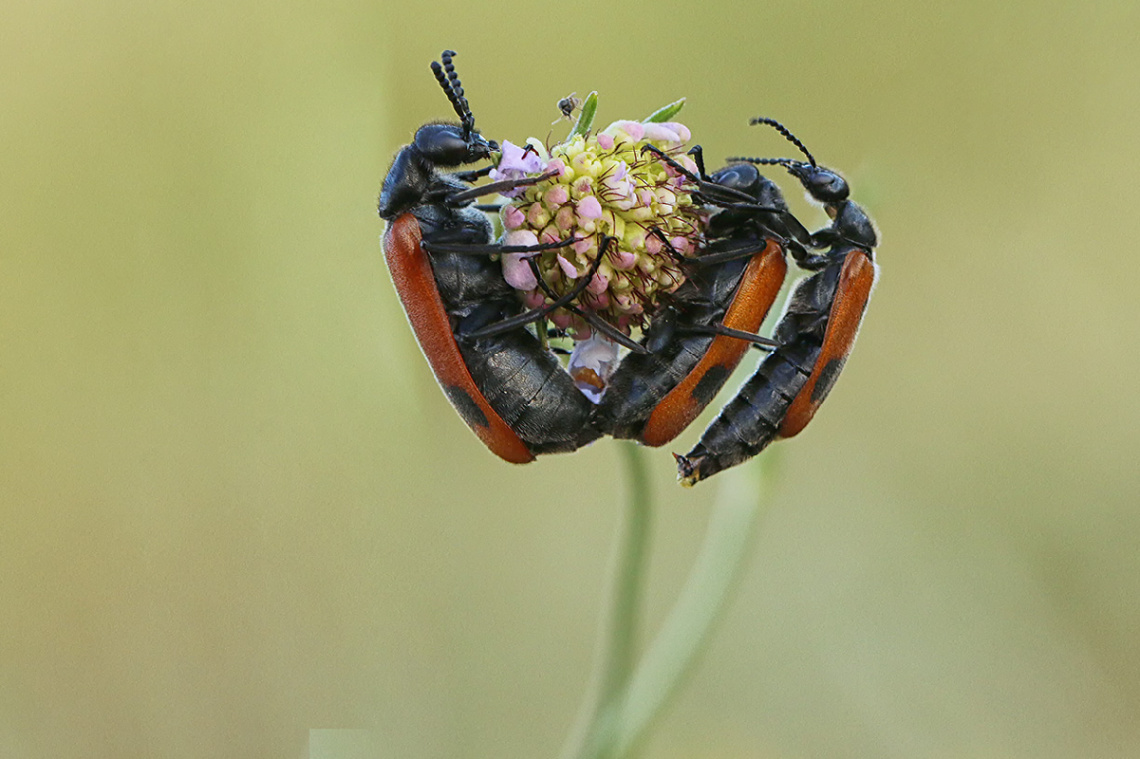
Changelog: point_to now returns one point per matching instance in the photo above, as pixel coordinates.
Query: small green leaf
(666, 113)
(586, 117)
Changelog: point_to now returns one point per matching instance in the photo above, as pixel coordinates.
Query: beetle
(508, 388)
(815, 334)
(697, 339)
(700, 334)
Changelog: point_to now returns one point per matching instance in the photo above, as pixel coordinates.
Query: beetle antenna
(787, 134)
(462, 108)
(442, 79)
(785, 162)
(450, 83)
(439, 77)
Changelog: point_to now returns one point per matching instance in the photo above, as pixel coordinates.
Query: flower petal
(682, 245)
(517, 272)
(589, 208)
(598, 284)
(518, 159)
(591, 364)
(634, 129)
(537, 216)
(596, 302)
(521, 237)
(556, 196)
(557, 165)
(623, 260)
(565, 218)
(513, 218)
(567, 268)
(681, 130)
(661, 133)
(562, 321)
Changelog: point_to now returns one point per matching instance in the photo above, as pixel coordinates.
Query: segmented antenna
(439, 77)
(787, 134)
(463, 109)
(456, 87)
(787, 163)
(453, 89)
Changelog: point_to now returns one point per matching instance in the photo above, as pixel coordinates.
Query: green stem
(626, 605)
(682, 637)
(598, 723)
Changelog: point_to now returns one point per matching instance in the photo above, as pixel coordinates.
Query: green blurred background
(236, 507)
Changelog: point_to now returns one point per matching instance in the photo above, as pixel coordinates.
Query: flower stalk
(663, 669)
(617, 644)
(626, 700)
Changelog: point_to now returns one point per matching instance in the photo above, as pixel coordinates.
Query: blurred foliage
(237, 508)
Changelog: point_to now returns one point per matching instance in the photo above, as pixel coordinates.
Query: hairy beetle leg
(595, 321)
(538, 313)
(459, 198)
(493, 248)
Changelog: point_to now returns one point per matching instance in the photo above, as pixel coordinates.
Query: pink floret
(589, 208)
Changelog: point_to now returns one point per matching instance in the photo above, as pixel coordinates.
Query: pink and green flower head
(601, 184)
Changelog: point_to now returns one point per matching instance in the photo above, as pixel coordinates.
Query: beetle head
(452, 144)
(825, 185)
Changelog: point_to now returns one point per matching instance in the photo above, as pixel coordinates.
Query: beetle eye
(741, 176)
(826, 186)
(836, 186)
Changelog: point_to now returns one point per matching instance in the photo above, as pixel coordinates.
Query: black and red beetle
(815, 334)
(697, 338)
(509, 389)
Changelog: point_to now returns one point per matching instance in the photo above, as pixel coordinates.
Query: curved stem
(626, 605)
(685, 631)
(597, 729)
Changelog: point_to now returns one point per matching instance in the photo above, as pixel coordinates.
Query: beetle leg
(493, 248)
(514, 322)
(698, 154)
(677, 255)
(595, 321)
(809, 261)
(612, 332)
(763, 343)
(726, 197)
(751, 248)
(753, 207)
(459, 198)
(670, 161)
(472, 175)
(716, 194)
